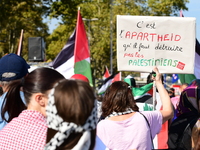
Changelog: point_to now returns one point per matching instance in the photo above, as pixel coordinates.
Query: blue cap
(12, 67)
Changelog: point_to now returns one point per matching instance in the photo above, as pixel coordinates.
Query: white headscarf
(64, 129)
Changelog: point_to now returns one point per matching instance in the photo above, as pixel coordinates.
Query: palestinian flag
(81, 51)
(75, 55)
(108, 81)
(106, 73)
(188, 78)
(138, 92)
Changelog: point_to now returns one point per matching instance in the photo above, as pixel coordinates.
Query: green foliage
(18, 15)
(57, 40)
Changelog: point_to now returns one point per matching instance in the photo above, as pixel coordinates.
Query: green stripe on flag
(137, 92)
(83, 67)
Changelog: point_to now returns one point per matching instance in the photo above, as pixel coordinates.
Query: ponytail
(13, 104)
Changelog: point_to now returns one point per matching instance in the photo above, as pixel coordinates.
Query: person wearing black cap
(12, 67)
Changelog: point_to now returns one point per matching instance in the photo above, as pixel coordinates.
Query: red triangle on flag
(106, 73)
(117, 77)
(81, 49)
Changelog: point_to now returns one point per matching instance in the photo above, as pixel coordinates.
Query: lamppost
(111, 38)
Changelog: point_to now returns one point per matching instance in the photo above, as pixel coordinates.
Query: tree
(17, 15)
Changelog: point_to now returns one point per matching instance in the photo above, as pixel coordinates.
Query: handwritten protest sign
(147, 41)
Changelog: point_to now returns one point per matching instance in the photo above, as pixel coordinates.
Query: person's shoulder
(105, 123)
(102, 122)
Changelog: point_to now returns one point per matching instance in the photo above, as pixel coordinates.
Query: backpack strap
(149, 129)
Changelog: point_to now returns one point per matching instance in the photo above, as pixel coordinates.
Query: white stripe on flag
(105, 86)
(197, 66)
(67, 68)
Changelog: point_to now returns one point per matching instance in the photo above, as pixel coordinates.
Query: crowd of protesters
(43, 110)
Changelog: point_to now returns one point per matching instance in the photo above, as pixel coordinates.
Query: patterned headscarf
(64, 129)
(189, 99)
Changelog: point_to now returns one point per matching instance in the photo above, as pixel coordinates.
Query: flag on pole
(106, 73)
(74, 58)
(19, 50)
(107, 82)
(187, 78)
(139, 92)
(81, 51)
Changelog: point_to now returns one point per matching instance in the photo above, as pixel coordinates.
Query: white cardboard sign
(147, 41)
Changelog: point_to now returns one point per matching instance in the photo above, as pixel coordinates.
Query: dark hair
(118, 97)
(74, 100)
(40, 80)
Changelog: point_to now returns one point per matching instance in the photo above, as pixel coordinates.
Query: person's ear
(40, 99)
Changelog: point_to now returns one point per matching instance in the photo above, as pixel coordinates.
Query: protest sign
(147, 41)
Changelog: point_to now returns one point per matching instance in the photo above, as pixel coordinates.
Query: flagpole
(154, 95)
(19, 50)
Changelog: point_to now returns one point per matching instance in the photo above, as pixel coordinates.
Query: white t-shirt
(132, 133)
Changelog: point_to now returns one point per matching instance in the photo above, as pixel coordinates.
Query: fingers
(156, 70)
(156, 77)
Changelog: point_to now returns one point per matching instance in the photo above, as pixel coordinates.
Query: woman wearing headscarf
(72, 117)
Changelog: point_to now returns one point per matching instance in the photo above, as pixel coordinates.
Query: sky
(193, 11)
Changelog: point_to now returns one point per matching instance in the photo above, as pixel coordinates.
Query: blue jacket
(3, 122)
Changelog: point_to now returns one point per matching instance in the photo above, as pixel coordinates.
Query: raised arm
(167, 111)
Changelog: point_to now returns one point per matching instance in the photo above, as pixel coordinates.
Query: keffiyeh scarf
(64, 129)
(128, 111)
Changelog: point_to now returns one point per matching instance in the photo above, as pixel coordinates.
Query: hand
(158, 77)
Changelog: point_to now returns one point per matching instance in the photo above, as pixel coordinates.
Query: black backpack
(180, 131)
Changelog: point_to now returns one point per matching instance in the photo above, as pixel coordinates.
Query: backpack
(180, 132)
